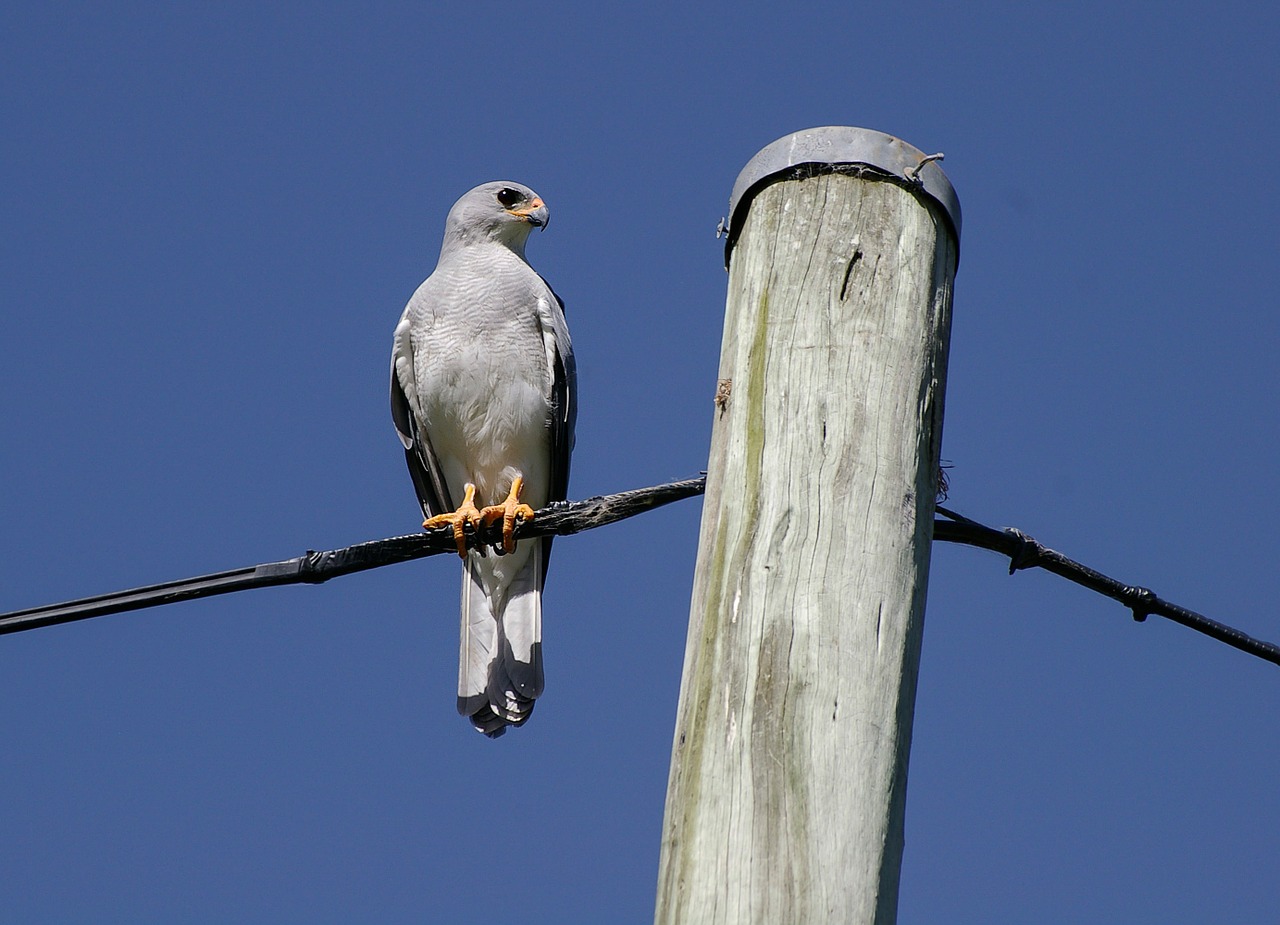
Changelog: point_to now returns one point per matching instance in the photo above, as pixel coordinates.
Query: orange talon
(467, 513)
(508, 512)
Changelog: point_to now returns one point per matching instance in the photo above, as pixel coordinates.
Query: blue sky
(212, 217)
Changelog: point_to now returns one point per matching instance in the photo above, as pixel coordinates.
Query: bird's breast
(486, 401)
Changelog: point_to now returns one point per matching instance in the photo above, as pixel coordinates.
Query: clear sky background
(212, 216)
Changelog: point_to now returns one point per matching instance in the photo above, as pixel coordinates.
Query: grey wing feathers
(424, 468)
(564, 413)
(564, 393)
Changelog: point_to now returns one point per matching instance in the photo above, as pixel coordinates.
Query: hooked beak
(535, 213)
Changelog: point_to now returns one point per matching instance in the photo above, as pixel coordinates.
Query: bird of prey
(483, 395)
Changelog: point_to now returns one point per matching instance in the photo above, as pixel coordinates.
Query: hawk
(483, 396)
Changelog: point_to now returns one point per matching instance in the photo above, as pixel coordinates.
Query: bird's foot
(508, 512)
(467, 513)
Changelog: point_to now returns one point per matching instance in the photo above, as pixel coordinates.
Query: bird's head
(502, 211)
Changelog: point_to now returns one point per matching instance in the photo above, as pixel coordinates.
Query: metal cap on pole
(788, 774)
(835, 148)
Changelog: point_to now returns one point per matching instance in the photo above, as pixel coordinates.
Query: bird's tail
(500, 657)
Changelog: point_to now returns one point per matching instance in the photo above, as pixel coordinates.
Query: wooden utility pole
(789, 767)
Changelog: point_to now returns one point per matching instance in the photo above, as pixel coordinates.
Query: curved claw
(467, 513)
(508, 512)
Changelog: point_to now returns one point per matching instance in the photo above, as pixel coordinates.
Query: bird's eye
(509, 197)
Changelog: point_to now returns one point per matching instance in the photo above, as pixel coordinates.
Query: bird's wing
(563, 374)
(424, 467)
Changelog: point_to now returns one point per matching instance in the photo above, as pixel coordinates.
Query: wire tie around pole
(1028, 552)
(1140, 601)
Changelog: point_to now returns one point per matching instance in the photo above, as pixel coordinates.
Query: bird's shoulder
(480, 274)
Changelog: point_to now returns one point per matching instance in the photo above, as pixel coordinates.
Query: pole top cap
(830, 147)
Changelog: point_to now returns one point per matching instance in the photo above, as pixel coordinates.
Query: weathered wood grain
(788, 774)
